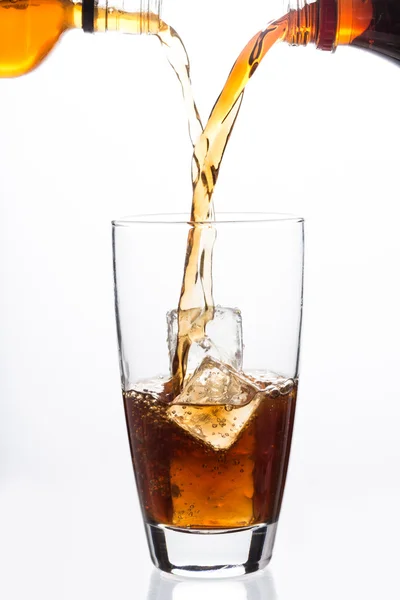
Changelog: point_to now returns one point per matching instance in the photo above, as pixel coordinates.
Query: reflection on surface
(252, 587)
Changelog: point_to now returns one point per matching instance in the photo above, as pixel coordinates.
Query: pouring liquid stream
(196, 303)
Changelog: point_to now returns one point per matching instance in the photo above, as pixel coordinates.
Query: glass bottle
(29, 29)
(372, 25)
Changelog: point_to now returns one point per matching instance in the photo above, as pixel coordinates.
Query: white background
(99, 132)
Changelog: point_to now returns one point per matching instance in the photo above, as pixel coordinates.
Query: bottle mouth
(302, 22)
(140, 17)
(150, 16)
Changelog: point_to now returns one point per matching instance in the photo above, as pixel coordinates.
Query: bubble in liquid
(272, 391)
(287, 387)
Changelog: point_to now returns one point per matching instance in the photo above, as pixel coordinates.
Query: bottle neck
(139, 17)
(314, 22)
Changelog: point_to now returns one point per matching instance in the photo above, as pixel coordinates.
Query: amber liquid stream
(196, 303)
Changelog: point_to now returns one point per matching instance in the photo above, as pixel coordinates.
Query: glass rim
(223, 218)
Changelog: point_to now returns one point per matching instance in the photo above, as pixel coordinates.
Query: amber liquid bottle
(29, 29)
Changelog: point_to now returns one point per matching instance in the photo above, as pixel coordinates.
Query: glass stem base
(211, 552)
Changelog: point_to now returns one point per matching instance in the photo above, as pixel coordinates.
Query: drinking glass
(211, 458)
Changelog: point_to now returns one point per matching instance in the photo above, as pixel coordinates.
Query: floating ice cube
(223, 341)
(214, 383)
(216, 404)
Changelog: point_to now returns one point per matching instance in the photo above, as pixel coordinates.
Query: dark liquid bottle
(372, 25)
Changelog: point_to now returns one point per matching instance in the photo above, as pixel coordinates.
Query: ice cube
(216, 404)
(223, 341)
(214, 425)
(214, 383)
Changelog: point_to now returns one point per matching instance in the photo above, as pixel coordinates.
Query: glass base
(211, 552)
